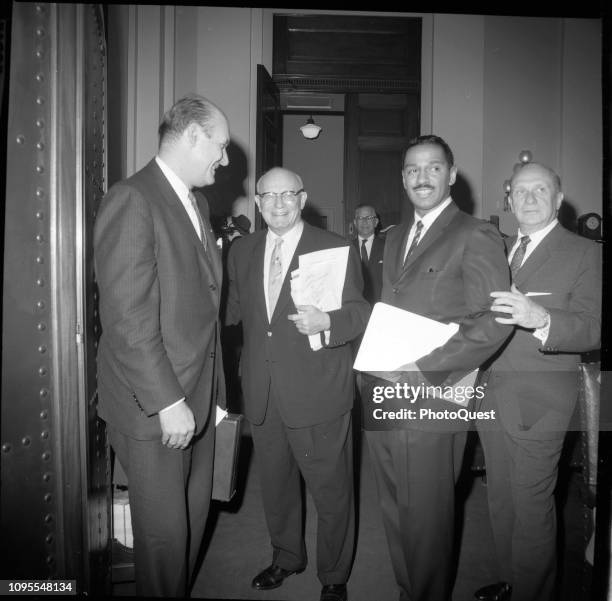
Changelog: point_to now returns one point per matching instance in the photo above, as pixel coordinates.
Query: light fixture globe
(311, 130)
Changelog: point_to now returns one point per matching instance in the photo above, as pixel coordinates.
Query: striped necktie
(415, 240)
(275, 277)
(518, 256)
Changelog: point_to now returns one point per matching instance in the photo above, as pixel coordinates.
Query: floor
(237, 544)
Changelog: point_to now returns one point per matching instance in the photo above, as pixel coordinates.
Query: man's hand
(309, 320)
(177, 425)
(522, 310)
(408, 373)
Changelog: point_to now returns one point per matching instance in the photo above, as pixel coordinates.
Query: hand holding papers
(395, 339)
(319, 281)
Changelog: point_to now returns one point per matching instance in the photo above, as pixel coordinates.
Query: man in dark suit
(443, 265)
(298, 400)
(371, 248)
(555, 302)
(159, 370)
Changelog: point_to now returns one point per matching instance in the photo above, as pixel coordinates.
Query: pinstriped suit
(159, 302)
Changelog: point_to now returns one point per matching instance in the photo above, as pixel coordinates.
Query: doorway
(372, 64)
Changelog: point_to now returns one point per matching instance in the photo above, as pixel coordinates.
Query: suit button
(212, 287)
(395, 290)
(212, 354)
(269, 334)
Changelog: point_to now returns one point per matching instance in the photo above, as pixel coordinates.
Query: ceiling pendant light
(311, 130)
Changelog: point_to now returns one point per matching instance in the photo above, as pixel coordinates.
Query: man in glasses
(297, 400)
(371, 249)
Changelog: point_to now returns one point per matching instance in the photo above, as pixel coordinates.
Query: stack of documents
(319, 281)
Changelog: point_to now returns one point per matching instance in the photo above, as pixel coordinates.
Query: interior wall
(320, 164)
(492, 86)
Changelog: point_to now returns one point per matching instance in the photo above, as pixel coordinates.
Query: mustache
(423, 187)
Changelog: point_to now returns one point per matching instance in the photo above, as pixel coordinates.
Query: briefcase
(227, 445)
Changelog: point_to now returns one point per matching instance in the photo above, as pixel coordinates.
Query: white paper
(220, 415)
(319, 281)
(538, 293)
(395, 337)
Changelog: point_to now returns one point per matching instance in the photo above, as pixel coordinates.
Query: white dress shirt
(368, 244)
(182, 191)
(534, 240)
(287, 249)
(427, 221)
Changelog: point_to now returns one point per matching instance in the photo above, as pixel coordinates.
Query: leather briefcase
(227, 446)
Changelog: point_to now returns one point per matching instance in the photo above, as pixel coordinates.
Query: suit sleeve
(578, 328)
(484, 269)
(350, 320)
(126, 273)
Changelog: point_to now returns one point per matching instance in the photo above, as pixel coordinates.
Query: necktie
(415, 240)
(275, 277)
(519, 254)
(364, 252)
(194, 204)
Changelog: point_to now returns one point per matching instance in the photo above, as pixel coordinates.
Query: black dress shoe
(333, 592)
(500, 591)
(272, 577)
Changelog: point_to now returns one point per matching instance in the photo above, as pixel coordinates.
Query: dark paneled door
(269, 151)
(377, 128)
(55, 495)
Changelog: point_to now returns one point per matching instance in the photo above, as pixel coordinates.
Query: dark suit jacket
(448, 277)
(372, 270)
(538, 383)
(159, 301)
(312, 387)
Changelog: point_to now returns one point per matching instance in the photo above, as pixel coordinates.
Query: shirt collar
(178, 185)
(536, 237)
(430, 217)
(293, 235)
(366, 239)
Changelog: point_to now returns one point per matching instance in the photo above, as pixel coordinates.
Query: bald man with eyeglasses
(297, 400)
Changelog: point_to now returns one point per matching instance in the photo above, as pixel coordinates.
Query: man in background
(371, 249)
(158, 271)
(555, 304)
(443, 265)
(297, 400)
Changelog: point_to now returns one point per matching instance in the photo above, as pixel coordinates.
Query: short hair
(365, 205)
(430, 139)
(192, 108)
(551, 172)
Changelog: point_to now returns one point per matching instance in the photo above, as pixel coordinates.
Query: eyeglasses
(286, 196)
(368, 218)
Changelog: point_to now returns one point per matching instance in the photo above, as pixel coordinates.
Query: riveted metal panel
(55, 495)
(29, 485)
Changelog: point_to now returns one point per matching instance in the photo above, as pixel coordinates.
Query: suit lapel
(209, 259)
(256, 274)
(538, 257)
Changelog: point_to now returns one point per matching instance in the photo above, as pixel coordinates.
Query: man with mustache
(159, 361)
(443, 264)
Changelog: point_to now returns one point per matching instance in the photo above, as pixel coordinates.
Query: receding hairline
(276, 171)
(554, 176)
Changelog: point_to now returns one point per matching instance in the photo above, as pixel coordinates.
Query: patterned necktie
(275, 277)
(194, 205)
(519, 254)
(415, 240)
(364, 252)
